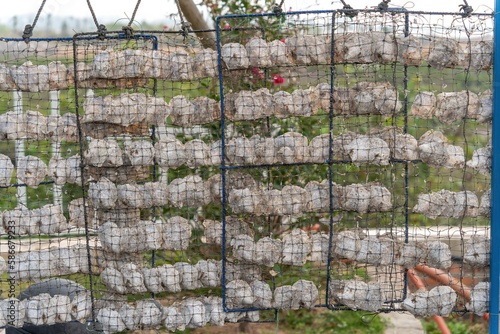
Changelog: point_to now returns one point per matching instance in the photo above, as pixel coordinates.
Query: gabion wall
(312, 160)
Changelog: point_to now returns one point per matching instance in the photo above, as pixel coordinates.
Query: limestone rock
(286, 297)
(170, 152)
(104, 153)
(176, 233)
(479, 299)
(190, 275)
(485, 207)
(424, 105)
(31, 170)
(485, 112)
(6, 170)
(235, 56)
(190, 191)
(197, 153)
(410, 51)
(296, 248)
(477, 251)
(206, 64)
(307, 293)
(262, 295)
(258, 52)
(445, 52)
(103, 194)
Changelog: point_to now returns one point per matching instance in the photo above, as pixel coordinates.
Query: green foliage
(338, 322)
(456, 326)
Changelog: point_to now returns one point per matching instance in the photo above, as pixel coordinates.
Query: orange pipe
(443, 327)
(444, 278)
(486, 317)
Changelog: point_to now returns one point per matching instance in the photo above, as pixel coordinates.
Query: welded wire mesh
(360, 135)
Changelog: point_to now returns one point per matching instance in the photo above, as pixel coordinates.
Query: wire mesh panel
(366, 140)
(38, 129)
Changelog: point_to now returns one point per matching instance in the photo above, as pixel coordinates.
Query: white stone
(214, 312)
(170, 152)
(190, 275)
(479, 298)
(353, 48)
(262, 294)
(267, 252)
(411, 254)
(176, 234)
(197, 153)
(103, 194)
(171, 278)
(439, 255)
(239, 295)
(477, 251)
(211, 271)
(356, 197)
(286, 297)
(134, 281)
(284, 105)
(445, 53)
(13, 311)
(485, 207)
(485, 112)
(278, 53)
(194, 313)
(294, 199)
(424, 105)
(37, 309)
(432, 148)
(297, 144)
(110, 320)
(235, 56)
(243, 248)
(481, 161)
(442, 300)
(155, 194)
(150, 312)
(130, 317)
(174, 319)
(307, 49)
(455, 106)
(6, 80)
(206, 64)
(240, 151)
(11, 126)
(410, 51)
(6, 170)
(296, 248)
(81, 306)
(104, 153)
(347, 244)
(307, 292)
(31, 170)
(264, 150)
(35, 125)
(247, 201)
(130, 195)
(58, 78)
(366, 150)
(140, 153)
(480, 55)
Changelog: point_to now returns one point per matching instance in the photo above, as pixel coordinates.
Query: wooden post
(193, 15)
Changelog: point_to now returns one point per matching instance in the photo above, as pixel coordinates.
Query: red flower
(165, 27)
(282, 40)
(277, 79)
(227, 26)
(256, 71)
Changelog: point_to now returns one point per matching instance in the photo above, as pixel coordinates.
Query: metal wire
(28, 29)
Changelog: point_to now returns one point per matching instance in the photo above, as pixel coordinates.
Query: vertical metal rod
(330, 174)
(495, 184)
(155, 162)
(407, 214)
(56, 146)
(81, 139)
(22, 195)
(223, 171)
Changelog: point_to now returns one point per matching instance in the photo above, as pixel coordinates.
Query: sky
(158, 11)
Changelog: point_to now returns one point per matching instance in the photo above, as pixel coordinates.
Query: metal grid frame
(495, 254)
